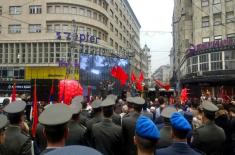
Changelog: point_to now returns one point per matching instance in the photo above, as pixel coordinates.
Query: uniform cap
(130, 99)
(3, 121)
(107, 102)
(145, 128)
(168, 111)
(76, 105)
(178, 122)
(96, 104)
(209, 106)
(56, 114)
(15, 107)
(138, 100)
(112, 96)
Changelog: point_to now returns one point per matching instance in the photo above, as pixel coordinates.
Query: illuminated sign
(208, 46)
(63, 63)
(81, 37)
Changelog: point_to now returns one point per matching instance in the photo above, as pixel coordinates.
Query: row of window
(217, 19)
(219, 37)
(76, 10)
(211, 62)
(17, 10)
(102, 3)
(206, 2)
(16, 28)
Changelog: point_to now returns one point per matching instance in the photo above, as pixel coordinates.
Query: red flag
(114, 72)
(35, 110)
(13, 95)
(122, 75)
(133, 78)
(51, 92)
(139, 86)
(159, 83)
(141, 77)
(167, 86)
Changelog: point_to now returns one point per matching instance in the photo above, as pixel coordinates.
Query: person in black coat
(108, 138)
(76, 135)
(17, 142)
(97, 112)
(209, 138)
(3, 124)
(232, 131)
(129, 122)
(180, 129)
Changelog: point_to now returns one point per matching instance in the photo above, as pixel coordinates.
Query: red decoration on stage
(68, 89)
(119, 73)
(13, 95)
(35, 110)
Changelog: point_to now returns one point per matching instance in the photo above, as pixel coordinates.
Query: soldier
(129, 122)
(180, 129)
(3, 124)
(77, 131)
(84, 114)
(209, 138)
(96, 119)
(165, 132)
(107, 135)
(146, 136)
(55, 119)
(17, 141)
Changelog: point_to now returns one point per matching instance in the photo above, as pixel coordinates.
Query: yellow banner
(49, 73)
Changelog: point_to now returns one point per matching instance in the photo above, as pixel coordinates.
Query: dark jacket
(76, 133)
(40, 139)
(17, 143)
(165, 137)
(108, 137)
(116, 119)
(3, 150)
(209, 138)
(147, 114)
(89, 124)
(84, 117)
(128, 129)
(177, 149)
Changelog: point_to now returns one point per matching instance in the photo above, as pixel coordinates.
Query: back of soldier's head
(55, 133)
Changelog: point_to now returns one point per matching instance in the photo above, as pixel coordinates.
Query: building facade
(43, 33)
(204, 46)
(162, 73)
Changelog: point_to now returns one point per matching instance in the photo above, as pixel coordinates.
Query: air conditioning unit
(200, 73)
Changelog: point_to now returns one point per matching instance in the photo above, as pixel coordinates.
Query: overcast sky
(155, 17)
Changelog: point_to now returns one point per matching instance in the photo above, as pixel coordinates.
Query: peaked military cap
(107, 102)
(15, 107)
(168, 111)
(130, 99)
(209, 106)
(112, 96)
(178, 122)
(138, 100)
(3, 121)
(76, 105)
(146, 128)
(96, 104)
(56, 114)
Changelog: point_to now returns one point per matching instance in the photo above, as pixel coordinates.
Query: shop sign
(213, 45)
(78, 37)
(63, 63)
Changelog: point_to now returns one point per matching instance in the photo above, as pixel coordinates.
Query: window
(94, 32)
(205, 39)
(205, 21)
(203, 59)
(65, 28)
(216, 61)
(0, 29)
(74, 10)
(100, 17)
(88, 30)
(57, 27)
(82, 11)
(49, 28)
(116, 19)
(189, 65)
(88, 13)
(231, 36)
(120, 12)
(111, 27)
(230, 17)
(15, 10)
(216, 1)
(217, 19)
(111, 13)
(116, 7)
(0, 10)
(120, 24)
(205, 2)
(57, 9)
(95, 15)
(14, 28)
(34, 28)
(81, 30)
(116, 46)
(50, 9)
(229, 57)
(120, 36)
(66, 9)
(218, 38)
(35, 9)
(111, 42)
(116, 32)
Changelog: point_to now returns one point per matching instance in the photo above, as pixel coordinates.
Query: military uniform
(209, 138)
(128, 127)
(40, 139)
(3, 124)
(17, 142)
(107, 136)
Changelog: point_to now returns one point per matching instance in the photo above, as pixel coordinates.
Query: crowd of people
(117, 125)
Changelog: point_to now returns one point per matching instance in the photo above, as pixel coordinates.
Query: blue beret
(178, 122)
(145, 128)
